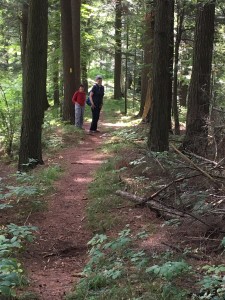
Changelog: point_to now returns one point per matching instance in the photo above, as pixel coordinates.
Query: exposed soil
(54, 261)
(59, 253)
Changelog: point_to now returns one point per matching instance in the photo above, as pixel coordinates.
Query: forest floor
(55, 260)
(59, 254)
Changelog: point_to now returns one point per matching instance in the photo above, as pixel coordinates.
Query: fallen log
(161, 209)
(166, 211)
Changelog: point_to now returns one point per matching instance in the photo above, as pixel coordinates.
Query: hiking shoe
(91, 131)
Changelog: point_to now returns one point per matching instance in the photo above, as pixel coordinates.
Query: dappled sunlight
(83, 179)
(122, 124)
(117, 124)
(89, 161)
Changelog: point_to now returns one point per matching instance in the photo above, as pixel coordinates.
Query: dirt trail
(60, 251)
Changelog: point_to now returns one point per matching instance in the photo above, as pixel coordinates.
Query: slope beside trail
(59, 253)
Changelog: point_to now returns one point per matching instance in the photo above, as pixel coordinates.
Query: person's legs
(95, 117)
(77, 115)
(82, 108)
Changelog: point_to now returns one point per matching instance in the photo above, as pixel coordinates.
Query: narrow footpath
(59, 253)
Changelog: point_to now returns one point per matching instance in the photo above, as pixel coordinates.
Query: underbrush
(57, 134)
(103, 198)
(19, 199)
(191, 209)
(119, 269)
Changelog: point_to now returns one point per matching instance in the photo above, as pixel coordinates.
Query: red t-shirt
(79, 97)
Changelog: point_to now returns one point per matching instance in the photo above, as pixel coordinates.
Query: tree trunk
(182, 91)
(54, 49)
(146, 74)
(75, 9)
(158, 137)
(56, 87)
(171, 54)
(196, 138)
(35, 73)
(118, 53)
(24, 22)
(68, 61)
(180, 19)
(84, 53)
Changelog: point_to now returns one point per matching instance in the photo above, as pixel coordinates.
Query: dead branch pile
(193, 193)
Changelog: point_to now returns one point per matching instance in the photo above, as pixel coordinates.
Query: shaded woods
(162, 64)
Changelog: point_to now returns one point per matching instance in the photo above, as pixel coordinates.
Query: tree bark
(196, 138)
(171, 55)
(75, 10)
(183, 91)
(68, 61)
(180, 20)
(158, 137)
(85, 53)
(146, 74)
(56, 64)
(24, 25)
(35, 73)
(118, 53)
(24, 22)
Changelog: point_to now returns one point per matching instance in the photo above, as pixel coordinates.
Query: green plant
(12, 238)
(169, 272)
(10, 106)
(170, 269)
(10, 276)
(115, 269)
(212, 285)
(102, 197)
(21, 191)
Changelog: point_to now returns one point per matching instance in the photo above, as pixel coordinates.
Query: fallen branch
(193, 164)
(202, 158)
(164, 188)
(188, 254)
(163, 210)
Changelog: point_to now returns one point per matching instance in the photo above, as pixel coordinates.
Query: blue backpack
(88, 101)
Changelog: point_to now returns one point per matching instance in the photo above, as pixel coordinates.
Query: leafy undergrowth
(21, 195)
(190, 264)
(57, 135)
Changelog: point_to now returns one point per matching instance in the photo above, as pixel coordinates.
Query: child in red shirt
(79, 99)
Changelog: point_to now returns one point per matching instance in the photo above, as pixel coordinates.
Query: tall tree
(34, 101)
(171, 55)
(75, 10)
(199, 93)
(54, 49)
(118, 52)
(24, 23)
(146, 75)
(68, 61)
(158, 136)
(179, 29)
(84, 54)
